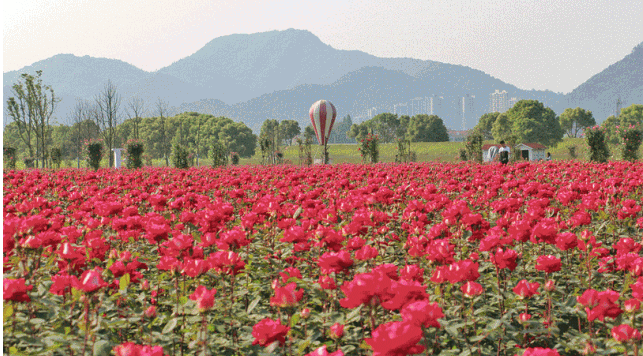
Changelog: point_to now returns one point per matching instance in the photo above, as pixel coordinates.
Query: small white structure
(489, 151)
(531, 151)
(117, 157)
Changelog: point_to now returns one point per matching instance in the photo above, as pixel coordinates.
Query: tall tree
(574, 121)
(269, 139)
(32, 111)
(485, 124)
(162, 110)
(83, 128)
(135, 110)
(501, 129)
(107, 116)
(425, 128)
(288, 129)
(531, 121)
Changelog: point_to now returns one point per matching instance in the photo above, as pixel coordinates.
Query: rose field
(384, 259)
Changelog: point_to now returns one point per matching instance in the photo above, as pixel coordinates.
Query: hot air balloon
(322, 115)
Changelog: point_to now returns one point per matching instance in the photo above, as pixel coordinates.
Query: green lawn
(347, 153)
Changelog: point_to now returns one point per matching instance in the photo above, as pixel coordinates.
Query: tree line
(529, 121)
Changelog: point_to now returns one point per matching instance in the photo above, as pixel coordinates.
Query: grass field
(348, 153)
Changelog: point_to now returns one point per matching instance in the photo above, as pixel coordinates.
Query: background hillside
(279, 74)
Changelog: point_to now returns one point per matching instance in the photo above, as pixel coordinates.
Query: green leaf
(102, 347)
(253, 304)
(7, 312)
(170, 326)
(124, 282)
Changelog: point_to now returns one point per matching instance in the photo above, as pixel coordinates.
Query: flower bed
(449, 259)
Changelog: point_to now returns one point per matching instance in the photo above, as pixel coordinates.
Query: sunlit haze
(539, 44)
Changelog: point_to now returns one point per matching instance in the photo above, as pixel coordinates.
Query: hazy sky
(539, 44)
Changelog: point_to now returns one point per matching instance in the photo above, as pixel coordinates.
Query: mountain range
(279, 74)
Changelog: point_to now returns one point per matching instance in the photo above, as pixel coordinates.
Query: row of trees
(531, 121)
(389, 127)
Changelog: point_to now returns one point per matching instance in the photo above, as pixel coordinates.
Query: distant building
(419, 106)
(401, 109)
(511, 102)
(467, 109)
(436, 105)
(499, 101)
(372, 112)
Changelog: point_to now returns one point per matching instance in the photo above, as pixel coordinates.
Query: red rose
(525, 289)
(396, 338)
(539, 351)
(321, 351)
(422, 313)
(337, 331)
(625, 332)
(286, 296)
(471, 289)
(15, 289)
(548, 264)
(204, 298)
(268, 331)
(90, 281)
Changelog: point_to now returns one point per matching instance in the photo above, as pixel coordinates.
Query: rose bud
(145, 285)
(150, 312)
(337, 331)
(524, 318)
(550, 285)
(275, 283)
(305, 313)
(631, 305)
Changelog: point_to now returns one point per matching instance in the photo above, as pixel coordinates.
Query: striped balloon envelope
(322, 115)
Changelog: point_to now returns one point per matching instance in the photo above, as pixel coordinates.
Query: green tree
(386, 126)
(501, 128)
(531, 121)
(427, 128)
(269, 139)
(485, 125)
(238, 138)
(32, 108)
(341, 130)
(359, 131)
(106, 114)
(288, 129)
(574, 121)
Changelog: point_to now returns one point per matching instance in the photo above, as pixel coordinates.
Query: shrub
(94, 153)
(219, 154)
(9, 154)
(474, 147)
(598, 150)
(572, 151)
(403, 151)
(234, 158)
(369, 148)
(463, 154)
(180, 156)
(134, 150)
(630, 142)
(56, 156)
(29, 162)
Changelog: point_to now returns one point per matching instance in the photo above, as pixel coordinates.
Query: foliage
(501, 129)
(94, 153)
(9, 156)
(56, 156)
(288, 129)
(404, 154)
(340, 131)
(219, 154)
(435, 258)
(31, 109)
(180, 156)
(234, 158)
(597, 143)
(134, 149)
(574, 121)
(531, 122)
(425, 128)
(631, 141)
(485, 125)
(572, 151)
(474, 147)
(629, 116)
(369, 149)
(462, 154)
